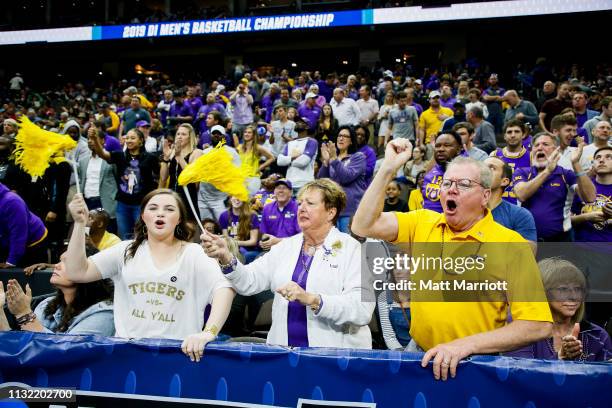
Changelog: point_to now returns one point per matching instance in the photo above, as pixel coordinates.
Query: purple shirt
(550, 203)
(18, 226)
(596, 345)
(310, 115)
(326, 90)
(194, 103)
(431, 189)
(527, 143)
(588, 231)
(205, 110)
(243, 114)
(370, 155)
(180, 110)
(350, 173)
(280, 223)
(418, 108)
(448, 103)
(229, 221)
(297, 328)
(111, 144)
(516, 163)
(268, 104)
(206, 139)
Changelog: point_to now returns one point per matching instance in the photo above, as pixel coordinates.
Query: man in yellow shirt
(431, 119)
(451, 331)
(100, 237)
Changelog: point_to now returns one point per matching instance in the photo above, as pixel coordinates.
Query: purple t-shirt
(180, 110)
(418, 108)
(594, 232)
(310, 115)
(229, 221)
(448, 103)
(516, 163)
(431, 189)
(280, 223)
(205, 110)
(111, 144)
(194, 103)
(550, 203)
(527, 142)
(297, 328)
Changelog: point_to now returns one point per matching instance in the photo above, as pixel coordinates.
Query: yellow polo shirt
(108, 240)
(438, 322)
(430, 122)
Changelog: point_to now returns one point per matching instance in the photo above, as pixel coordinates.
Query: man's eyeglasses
(462, 184)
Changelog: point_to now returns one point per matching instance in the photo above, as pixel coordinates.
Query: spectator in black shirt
(393, 202)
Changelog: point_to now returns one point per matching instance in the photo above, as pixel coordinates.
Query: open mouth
(540, 156)
(451, 206)
(159, 223)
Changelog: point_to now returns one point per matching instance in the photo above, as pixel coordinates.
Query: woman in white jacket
(320, 299)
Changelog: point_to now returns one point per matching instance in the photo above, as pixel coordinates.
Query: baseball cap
(433, 94)
(493, 76)
(285, 182)
(418, 81)
(388, 73)
(10, 121)
(244, 81)
(311, 95)
(143, 123)
(217, 128)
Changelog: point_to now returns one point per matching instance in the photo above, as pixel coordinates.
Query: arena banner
(103, 370)
(308, 21)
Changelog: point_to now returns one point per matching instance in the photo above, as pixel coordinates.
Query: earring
(178, 230)
(144, 229)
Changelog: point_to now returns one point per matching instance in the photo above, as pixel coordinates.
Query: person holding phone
(242, 103)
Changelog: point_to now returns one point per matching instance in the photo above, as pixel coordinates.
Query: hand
(553, 160)
(324, 153)
(36, 267)
(295, 153)
(577, 153)
(78, 209)
(397, 153)
(294, 292)
(333, 154)
(520, 116)
(167, 149)
(18, 302)
(267, 241)
(571, 347)
(194, 344)
(216, 247)
(442, 117)
(4, 265)
(595, 216)
(446, 356)
(51, 216)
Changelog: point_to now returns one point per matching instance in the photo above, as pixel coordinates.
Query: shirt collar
(478, 231)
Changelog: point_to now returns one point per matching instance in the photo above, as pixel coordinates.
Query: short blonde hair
(333, 195)
(556, 271)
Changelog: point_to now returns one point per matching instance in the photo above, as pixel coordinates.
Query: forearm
(76, 259)
(163, 175)
(4, 325)
(221, 305)
(586, 188)
(579, 219)
(517, 334)
(525, 190)
(372, 203)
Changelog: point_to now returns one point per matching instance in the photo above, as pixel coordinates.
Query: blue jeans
(249, 254)
(127, 215)
(400, 326)
(343, 223)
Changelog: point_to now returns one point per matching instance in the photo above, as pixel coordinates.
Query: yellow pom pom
(216, 168)
(36, 147)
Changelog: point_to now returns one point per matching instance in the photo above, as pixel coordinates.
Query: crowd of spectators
(524, 159)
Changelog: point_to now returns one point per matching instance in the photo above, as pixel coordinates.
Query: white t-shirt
(277, 129)
(151, 144)
(15, 83)
(160, 303)
(92, 178)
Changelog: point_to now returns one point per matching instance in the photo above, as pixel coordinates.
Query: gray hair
(477, 112)
(486, 177)
(554, 138)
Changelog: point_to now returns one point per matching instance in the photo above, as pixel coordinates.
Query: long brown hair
(244, 221)
(243, 147)
(184, 230)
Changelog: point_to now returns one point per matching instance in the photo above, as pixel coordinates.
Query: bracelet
(212, 329)
(26, 318)
(228, 268)
(317, 307)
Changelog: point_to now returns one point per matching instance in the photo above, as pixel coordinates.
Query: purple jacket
(370, 155)
(268, 104)
(350, 173)
(180, 110)
(596, 346)
(18, 226)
